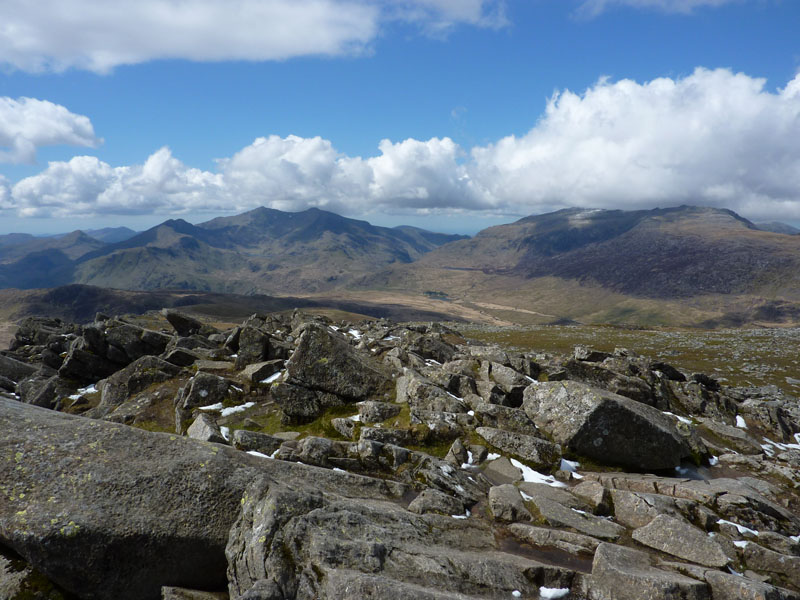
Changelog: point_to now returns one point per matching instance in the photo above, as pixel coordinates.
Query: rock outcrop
(292, 458)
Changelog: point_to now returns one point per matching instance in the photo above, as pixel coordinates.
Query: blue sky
(446, 114)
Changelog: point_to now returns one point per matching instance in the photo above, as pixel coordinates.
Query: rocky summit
(293, 457)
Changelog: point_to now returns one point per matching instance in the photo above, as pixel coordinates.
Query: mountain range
(684, 265)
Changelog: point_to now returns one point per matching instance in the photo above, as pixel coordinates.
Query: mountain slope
(263, 250)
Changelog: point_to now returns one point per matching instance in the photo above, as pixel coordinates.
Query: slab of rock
(182, 323)
(434, 501)
(15, 370)
(605, 427)
(205, 429)
(257, 441)
(679, 538)
(500, 470)
(551, 512)
(574, 543)
(328, 363)
(131, 380)
(292, 543)
(725, 585)
(377, 412)
(540, 453)
(506, 504)
(620, 573)
(258, 372)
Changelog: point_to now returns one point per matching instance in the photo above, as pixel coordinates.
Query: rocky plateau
(293, 457)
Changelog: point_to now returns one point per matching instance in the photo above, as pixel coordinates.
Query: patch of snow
(238, 389)
(680, 418)
(581, 512)
(795, 538)
(532, 476)
(225, 412)
(465, 516)
(713, 461)
(431, 361)
(525, 496)
(226, 433)
(446, 469)
(453, 396)
(338, 470)
(217, 406)
(234, 356)
(391, 338)
(740, 422)
(471, 413)
(553, 593)
(355, 333)
(355, 418)
(334, 327)
(272, 377)
(492, 456)
(470, 457)
(741, 528)
(735, 572)
(91, 389)
(258, 454)
(569, 465)
(274, 454)
(741, 544)
(516, 593)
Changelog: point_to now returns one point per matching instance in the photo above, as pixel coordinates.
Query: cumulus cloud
(99, 35)
(713, 138)
(27, 124)
(595, 7)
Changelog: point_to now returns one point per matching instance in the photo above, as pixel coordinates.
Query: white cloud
(27, 124)
(99, 35)
(595, 7)
(713, 138)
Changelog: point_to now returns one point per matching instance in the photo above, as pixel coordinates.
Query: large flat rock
(605, 427)
(111, 512)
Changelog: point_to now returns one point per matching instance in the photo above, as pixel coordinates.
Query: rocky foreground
(295, 458)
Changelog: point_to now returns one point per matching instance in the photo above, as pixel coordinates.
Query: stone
(205, 429)
(725, 585)
(434, 501)
(457, 454)
(506, 418)
(637, 509)
(605, 427)
(214, 366)
(587, 354)
(377, 412)
(183, 324)
(762, 559)
(258, 372)
(182, 357)
(15, 370)
(345, 426)
(131, 380)
(256, 441)
(620, 573)
(571, 542)
(298, 544)
(679, 538)
(500, 470)
(536, 451)
(595, 495)
(506, 504)
(548, 511)
(325, 363)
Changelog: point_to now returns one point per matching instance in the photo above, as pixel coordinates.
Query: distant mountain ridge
(263, 249)
(683, 265)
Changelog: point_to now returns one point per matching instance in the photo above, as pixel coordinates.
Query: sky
(452, 115)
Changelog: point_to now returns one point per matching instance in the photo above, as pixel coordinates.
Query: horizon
(421, 225)
(443, 114)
